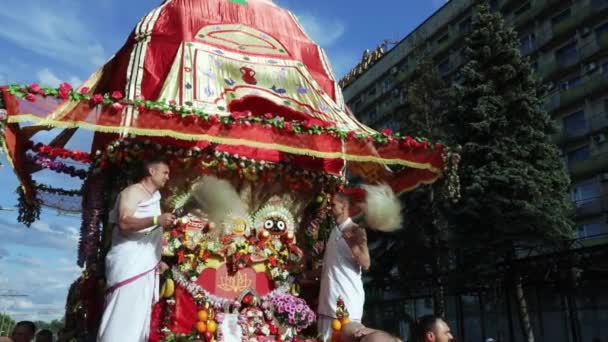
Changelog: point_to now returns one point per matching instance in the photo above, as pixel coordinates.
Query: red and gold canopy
(241, 75)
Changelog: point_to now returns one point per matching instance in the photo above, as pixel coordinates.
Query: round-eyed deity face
(275, 225)
(276, 220)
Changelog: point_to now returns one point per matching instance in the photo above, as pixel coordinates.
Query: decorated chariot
(245, 107)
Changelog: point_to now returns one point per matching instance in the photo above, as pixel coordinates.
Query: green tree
(513, 184)
(6, 324)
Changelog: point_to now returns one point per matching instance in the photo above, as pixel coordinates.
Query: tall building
(567, 44)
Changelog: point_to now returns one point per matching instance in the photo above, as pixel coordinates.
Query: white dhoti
(341, 278)
(132, 279)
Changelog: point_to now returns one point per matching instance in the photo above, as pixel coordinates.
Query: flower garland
(127, 151)
(218, 303)
(29, 208)
(280, 257)
(451, 162)
(56, 166)
(53, 152)
(3, 117)
(190, 115)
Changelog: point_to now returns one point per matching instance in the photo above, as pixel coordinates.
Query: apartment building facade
(566, 42)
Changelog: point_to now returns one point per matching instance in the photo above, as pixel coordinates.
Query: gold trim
(219, 140)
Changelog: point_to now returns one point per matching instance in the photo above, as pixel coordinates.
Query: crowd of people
(425, 329)
(26, 331)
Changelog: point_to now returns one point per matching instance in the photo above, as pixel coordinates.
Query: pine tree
(513, 184)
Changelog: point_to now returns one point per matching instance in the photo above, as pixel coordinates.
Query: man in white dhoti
(346, 254)
(133, 259)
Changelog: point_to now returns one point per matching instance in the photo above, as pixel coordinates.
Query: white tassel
(382, 208)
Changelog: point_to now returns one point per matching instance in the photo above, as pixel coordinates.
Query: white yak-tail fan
(217, 198)
(381, 208)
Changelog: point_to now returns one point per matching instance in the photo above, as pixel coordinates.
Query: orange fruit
(344, 321)
(202, 315)
(201, 327)
(211, 326)
(336, 325)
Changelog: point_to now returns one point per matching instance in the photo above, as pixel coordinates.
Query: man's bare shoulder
(133, 192)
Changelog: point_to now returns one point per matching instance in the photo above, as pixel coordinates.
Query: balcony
(591, 206)
(589, 167)
(589, 87)
(598, 122)
(577, 18)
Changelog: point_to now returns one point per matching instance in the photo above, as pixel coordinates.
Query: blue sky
(66, 40)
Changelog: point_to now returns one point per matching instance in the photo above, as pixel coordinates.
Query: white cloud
(51, 29)
(41, 235)
(323, 31)
(48, 78)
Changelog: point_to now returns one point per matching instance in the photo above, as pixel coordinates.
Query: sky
(49, 42)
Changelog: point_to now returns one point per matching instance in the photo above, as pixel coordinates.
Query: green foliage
(6, 324)
(513, 184)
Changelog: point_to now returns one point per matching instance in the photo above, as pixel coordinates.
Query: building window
(443, 38)
(567, 54)
(605, 68)
(563, 15)
(522, 9)
(527, 43)
(372, 91)
(465, 26)
(357, 103)
(585, 192)
(580, 154)
(444, 66)
(575, 122)
(387, 85)
(590, 230)
(571, 83)
(602, 29)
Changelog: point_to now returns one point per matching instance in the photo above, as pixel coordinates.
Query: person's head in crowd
(431, 329)
(44, 335)
(24, 331)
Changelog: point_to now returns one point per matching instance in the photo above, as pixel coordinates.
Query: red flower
(30, 97)
(84, 90)
(172, 103)
(116, 95)
(268, 116)
(272, 260)
(34, 88)
(287, 126)
(96, 99)
(307, 124)
(181, 257)
(63, 94)
(387, 131)
(116, 106)
(438, 146)
(213, 119)
(174, 233)
(65, 87)
(350, 135)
